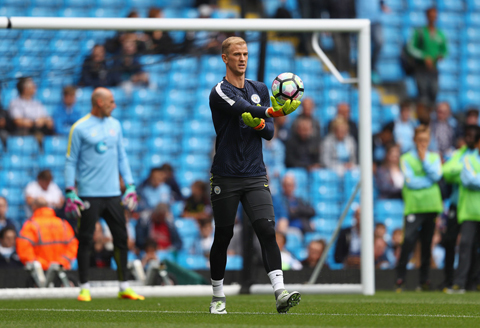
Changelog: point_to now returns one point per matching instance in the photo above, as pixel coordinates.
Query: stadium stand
(170, 122)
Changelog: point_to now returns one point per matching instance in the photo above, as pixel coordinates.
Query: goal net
(162, 104)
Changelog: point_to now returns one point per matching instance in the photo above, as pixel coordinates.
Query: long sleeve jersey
(238, 146)
(96, 156)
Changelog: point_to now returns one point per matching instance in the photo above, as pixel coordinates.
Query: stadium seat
(74, 12)
(279, 64)
(473, 5)
(185, 79)
(386, 208)
(14, 196)
(393, 20)
(184, 64)
(108, 12)
(197, 128)
(15, 178)
(211, 63)
(234, 262)
(450, 20)
(208, 79)
(473, 19)
(156, 160)
(10, 11)
(199, 145)
(448, 65)
(450, 5)
(390, 50)
(22, 145)
(146, 97)
(327, 210)
(471, 81)
(42, 12)
(470, 66)
(79, 4)
(326, 226)
(52, 162)
(395, 5)
(186, 178)
(390, 70)
(193, 262)
(163, 128)
(389, 113)
(195, 162)
(419, 5)
(133, 145)
(448, 82)
(308, 64)
(55, 144)
(133, 128)
(202, 112)
(470, 98)
(162, 145)
(414, 18)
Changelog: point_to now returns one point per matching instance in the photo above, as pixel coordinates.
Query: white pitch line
(258, 313)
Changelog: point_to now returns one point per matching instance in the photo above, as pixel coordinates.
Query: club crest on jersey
(217, 190)
(255, 98)
(101, 147)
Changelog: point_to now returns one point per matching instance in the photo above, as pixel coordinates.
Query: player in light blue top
(95, 157)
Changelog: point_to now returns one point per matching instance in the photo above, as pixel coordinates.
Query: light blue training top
(96, 156)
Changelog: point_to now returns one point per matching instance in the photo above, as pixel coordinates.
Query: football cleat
(456, 289)
(287, 300)
(84, 295)
(129, 294)
(218, 307)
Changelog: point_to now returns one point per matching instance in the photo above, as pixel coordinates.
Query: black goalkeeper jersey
(238, 146)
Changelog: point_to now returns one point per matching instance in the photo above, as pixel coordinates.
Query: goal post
(359, 26)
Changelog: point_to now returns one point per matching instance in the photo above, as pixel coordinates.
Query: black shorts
(108, 208)
(227, 192)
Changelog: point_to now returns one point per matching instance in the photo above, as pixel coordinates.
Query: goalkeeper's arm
(264, 127)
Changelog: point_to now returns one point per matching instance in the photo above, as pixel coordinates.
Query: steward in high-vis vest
(469, 219)
(423, 202)
(451, 174)
(46, 238)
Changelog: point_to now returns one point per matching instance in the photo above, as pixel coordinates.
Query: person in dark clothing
(242, 116)
(389, 177)
(158, 42)
(171, 181)
(342, 9)
(381, 141)
(8, 255)
(160, 228)
(308, 111)
(198, 206)
(347, 250)
(299, 212)
(303, 148)
(94, 69)
(343, 110)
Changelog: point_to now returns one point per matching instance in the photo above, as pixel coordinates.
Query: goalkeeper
(242, 116)
(95, 157)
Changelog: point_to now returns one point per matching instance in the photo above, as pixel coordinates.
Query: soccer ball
(287, 86)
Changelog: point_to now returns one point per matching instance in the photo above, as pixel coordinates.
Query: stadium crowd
(175, 222)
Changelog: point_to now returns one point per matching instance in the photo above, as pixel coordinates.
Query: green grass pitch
(385, 309)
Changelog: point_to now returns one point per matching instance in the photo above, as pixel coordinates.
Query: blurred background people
(8, 254)
(389, 177)
(46, 188)
(302, 147)
(197, 206)
(67, 113)
(339, 149)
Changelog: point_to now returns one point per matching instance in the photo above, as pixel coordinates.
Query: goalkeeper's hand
(129, 199)
(253, 122)
(277, 110)
(73, 205)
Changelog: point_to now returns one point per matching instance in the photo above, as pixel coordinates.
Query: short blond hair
(339, 121)
(422, 128)
(231, 41)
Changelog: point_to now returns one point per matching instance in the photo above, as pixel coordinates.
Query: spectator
(379, 253)
(114, 45)
(347, 250)
(299, 212)
(29, 116)
(339, 149)
(154, 190)
(126, 69)
(342, 9)
(160, 228)
(395, 247)
(46, 238)
(159, 42)
(67, 113)
(315, 252)
(389, 178)
(308, 110)
(4, 221)
(471, 117)
(4, 125)
(423, 202)
(429, 45)
(102, 252)
(205, 42)
(302, 148)
(288, 261)
(380, 231)
(204, 243)
(95, 72)
(8, 255)
(198, 206)
(443, 129)
(150, 252)
(381, 141)
(404, 127)
(45, 188)
(343, 111)
(172, 181)
(373, 10)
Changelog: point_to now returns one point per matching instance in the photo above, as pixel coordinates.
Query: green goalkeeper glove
(277, 110)
(253, 122)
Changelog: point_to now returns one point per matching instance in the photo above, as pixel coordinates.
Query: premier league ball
(287, 86)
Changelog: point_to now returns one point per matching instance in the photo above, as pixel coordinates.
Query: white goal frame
(359, 26)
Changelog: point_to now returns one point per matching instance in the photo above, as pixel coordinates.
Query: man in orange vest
(46, 239)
